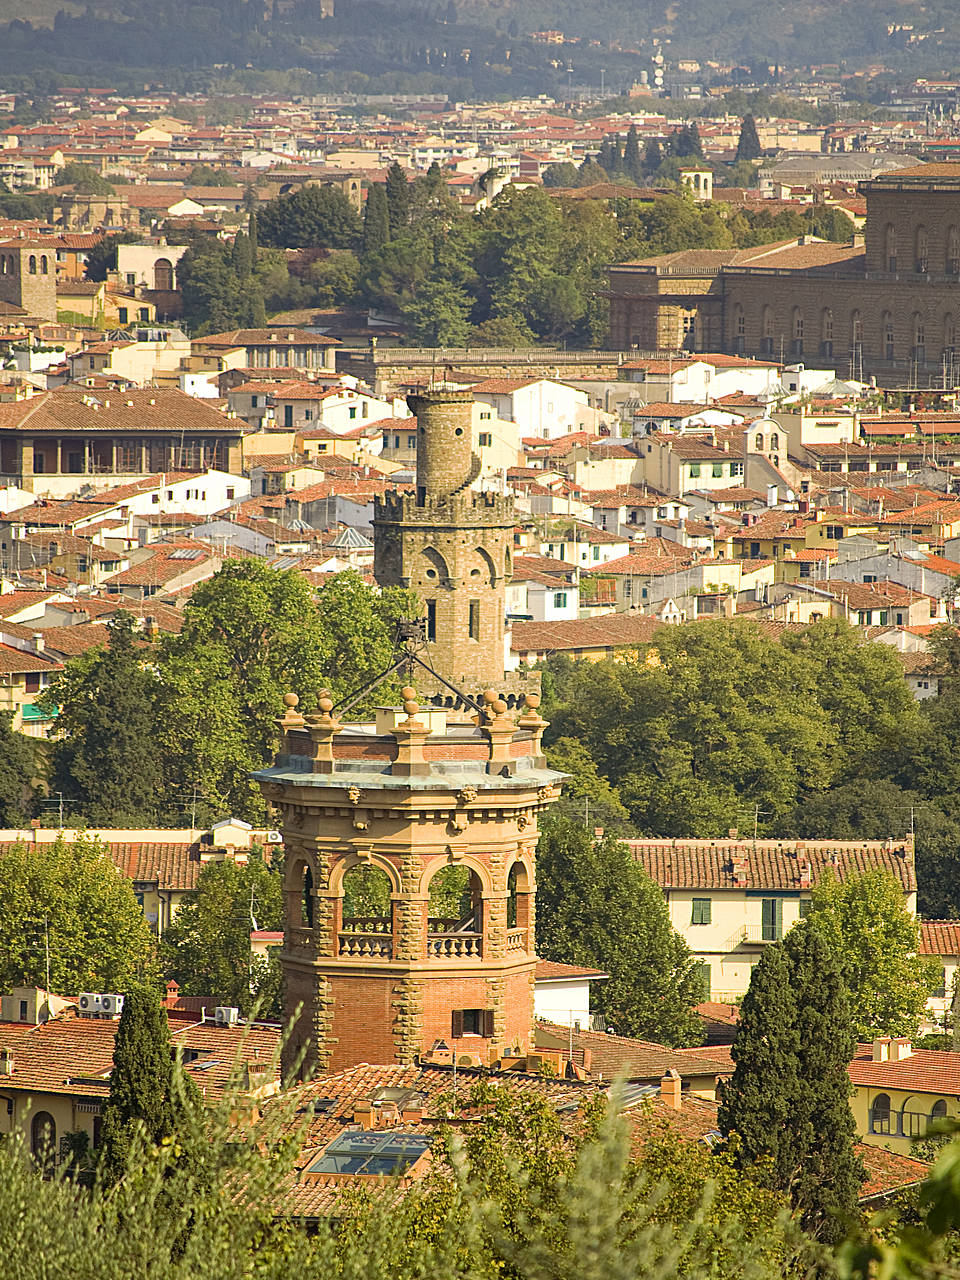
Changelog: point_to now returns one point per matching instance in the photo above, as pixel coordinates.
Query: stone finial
(499, 730)
(323, 727)
(290, 720)
(410, 734)
(531, 720)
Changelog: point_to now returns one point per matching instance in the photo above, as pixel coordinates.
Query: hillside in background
(473, 45)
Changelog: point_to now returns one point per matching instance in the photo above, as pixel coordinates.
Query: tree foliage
(66, 900)
(147, 1091)
(748, 144)
(18, 768)
(597, 907)
(311, 216)
(105, 759)
(785, 1111)
(206, 949)
(875, 939)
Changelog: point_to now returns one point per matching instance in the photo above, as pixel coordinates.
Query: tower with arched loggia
(409, 881)
(452, 544)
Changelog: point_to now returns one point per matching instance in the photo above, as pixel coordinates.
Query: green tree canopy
(597, 907)
(748, 144)
(105, 759)
(102, 258)
(18, 768)
(865, 922)
(206, 949)
(85, 180)
(321, 216)
(147, 1090)
(68, 896)
(785, 1111)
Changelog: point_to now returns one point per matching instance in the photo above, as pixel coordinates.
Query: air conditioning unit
(226, 1015)
(90, 1003)
(111, 1005)
(274, 837)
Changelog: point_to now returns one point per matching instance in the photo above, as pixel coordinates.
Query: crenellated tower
(452, 544)
(410, 876)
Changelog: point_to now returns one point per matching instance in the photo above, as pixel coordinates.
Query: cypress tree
(376, 220)
(631, 155)
(252, 238)
(787, 1102)
(398, 199)
(240, 257)
(748, 144)
(652, 157)
(141, 1083)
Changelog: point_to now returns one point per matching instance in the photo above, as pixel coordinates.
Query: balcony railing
(516, 939)
(365, 946)
(367, 924)
(753, 933)
(455, 946)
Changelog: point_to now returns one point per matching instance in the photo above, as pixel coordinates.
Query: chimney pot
(670, 1090)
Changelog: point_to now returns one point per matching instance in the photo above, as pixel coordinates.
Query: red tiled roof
(552, 969)
(767, 864)
(933, 1071)
(940, 937)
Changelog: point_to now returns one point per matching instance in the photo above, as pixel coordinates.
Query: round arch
(354, 860)
(436, 567)
(439, 861)
(487, 561)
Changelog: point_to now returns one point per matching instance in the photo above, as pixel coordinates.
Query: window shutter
(487, 1024)
(456, 1023)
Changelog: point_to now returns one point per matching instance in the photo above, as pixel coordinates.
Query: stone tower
(453, 546)
(410, 877)
(28, 277)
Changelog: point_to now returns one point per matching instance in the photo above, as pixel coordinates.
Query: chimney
(881, 1049)
(173, 994)
(6, 1062)
(670, 1090)
(900, 1048)
(739, 871)
(772, 495)
(363, 1114)
(38, 641)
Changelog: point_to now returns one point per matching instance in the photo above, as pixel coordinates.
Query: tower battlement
(409, 884)
(469, 507)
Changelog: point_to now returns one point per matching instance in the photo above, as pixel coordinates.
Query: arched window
(758, 441)
(953, 251)
(856, 329)
(739, 327)
(43, 1138)
(890, 246)
(366, 924)
(519, 913)
(939, 1110)
(43, 264)
(3, 264)
(919, 336)
(886, 329)
(306, 897)
(766, 330)
(163, 275)
(880, 1114)
(32, 264)
(455, 914)
(826, 332)
(922, 250)
(774, 441)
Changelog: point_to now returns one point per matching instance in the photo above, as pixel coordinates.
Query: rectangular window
(486, 439)
(471, 1022)
(474, 623)
(736, 468)
(485, 417)
(431, 619)
(122, 315)
(701, 913)
(596, 553)
(23, 1010)
(131, 278)
(771, 919)
(32, 682)
(717, 470)
(806, 906)
(230, 493)
(560, 600)
(694, 470)
(702, 967)
(941, 989)
(352, 411)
